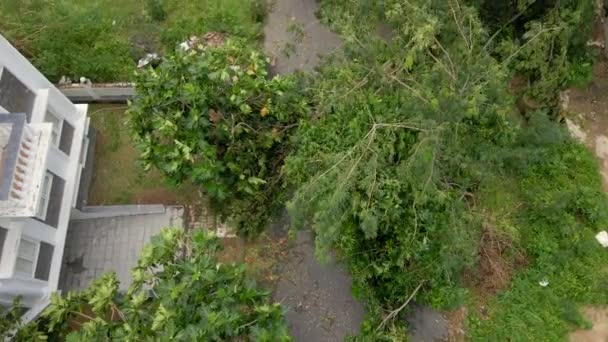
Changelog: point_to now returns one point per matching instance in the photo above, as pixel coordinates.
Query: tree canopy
(414, 164)
(212, 116)
(180, 292)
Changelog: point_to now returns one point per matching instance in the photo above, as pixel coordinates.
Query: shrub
(175, 296)
(210, 115)
(543, 40)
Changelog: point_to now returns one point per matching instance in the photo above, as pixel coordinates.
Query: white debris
(576, 131)
(602, 238)
(85, 81)
(189, 43)
(184, 45)
(65, 80)
(149, 58)
(224, 231)
(544, 282)
(208, 39)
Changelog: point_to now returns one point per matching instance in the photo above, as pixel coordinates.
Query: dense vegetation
(63, 39)
(180, 292)
(417, 163)
(543, 41)
(430, 160)
(103, 39)
(211, 116)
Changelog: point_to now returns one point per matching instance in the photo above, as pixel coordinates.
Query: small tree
(211, 115)
(180, 292)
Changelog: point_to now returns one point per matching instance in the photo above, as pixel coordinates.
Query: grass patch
(103, 39)
(118, 178)
(560, 206)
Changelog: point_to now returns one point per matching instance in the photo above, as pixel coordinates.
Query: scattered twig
(248, 324)
(460, 29)
(85, 316)
(508, 59)
(395, 312)
(358, 85)
(120, 314)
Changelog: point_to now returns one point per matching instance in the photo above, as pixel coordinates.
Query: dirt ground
(118, 178)
(587, 115)
(598, 316)
(587, 119)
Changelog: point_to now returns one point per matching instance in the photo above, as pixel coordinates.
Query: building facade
(44, 139)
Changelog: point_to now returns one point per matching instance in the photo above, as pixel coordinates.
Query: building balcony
(24, 149)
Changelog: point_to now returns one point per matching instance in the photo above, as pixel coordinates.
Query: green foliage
(212, 116)
(79, 41)
(580, 72)
(543, 40)
(102, 39)
(384, 172)
(156, 10)
(180, 292)
(12, 328)
(236, 18)
(412, 137)
(564, 208)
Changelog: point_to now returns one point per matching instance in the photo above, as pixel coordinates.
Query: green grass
(103, 39)
(118, 178)
(555, 207)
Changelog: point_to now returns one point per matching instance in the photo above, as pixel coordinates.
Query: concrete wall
(99, 93)
(66, 166)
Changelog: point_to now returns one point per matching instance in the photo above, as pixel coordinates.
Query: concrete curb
(99, 93)
(95, 212)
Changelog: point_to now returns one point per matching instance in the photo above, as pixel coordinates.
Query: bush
(211, 116)
(542, 40)
(175, 296)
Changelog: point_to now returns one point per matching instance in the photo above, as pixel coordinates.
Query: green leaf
(245, 108)
(409, 61)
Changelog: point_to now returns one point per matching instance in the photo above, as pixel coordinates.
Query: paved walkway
(96, 246)
(317, 297)
(317, 39)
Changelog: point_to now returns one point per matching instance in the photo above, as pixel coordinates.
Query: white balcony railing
(29, 171)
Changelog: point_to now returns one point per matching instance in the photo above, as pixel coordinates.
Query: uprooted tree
(413, 138)
(180, 292)
(212, 116)
(543, 41)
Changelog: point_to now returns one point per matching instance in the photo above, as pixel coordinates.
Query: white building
(44, 142)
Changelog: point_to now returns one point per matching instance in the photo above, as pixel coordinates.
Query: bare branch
(508, 59)
(395, 312)
(460, 29)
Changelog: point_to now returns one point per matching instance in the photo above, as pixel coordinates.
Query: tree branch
(395, 312)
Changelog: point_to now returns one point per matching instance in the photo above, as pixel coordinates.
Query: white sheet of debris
(149, 58)
(602, 238)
